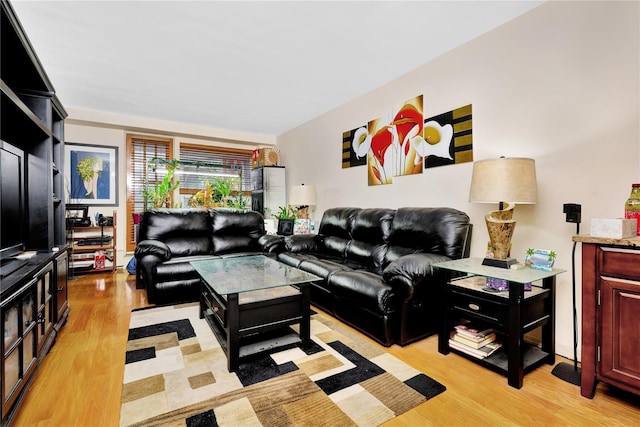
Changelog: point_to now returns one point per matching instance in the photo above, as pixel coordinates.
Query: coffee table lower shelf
(257, 321)
(258, 343)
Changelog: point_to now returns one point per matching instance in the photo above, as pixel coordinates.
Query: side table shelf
(510, 313)
(84, 257)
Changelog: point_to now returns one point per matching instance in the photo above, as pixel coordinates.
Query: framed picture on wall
(91, 174)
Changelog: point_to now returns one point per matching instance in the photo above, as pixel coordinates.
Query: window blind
(221, 156)
(141, 149)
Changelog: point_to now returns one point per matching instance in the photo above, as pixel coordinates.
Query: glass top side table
(510, 313)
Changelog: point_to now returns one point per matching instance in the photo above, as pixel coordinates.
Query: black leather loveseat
(376, 266)
(169, 238)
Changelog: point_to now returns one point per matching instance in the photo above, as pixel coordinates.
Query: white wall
(559, 84)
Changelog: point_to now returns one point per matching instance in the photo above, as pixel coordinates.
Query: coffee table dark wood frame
(258, 324)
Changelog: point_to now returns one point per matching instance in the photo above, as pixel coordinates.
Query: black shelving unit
(33, 287)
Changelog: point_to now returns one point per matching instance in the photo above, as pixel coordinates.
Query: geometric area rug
(176, 374)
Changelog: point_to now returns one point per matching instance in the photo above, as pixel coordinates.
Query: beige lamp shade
(303, 195)
(508, 181)
(504, 180)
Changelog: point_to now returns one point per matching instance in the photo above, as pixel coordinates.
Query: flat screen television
(12, 196)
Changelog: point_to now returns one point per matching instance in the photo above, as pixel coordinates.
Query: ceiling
(262, 67)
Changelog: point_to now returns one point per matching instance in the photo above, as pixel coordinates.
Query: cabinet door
(61, 285)
(44, 285)
(256, 179)
(274, 179)
(257, 201)
(18, 343)
(619, 334)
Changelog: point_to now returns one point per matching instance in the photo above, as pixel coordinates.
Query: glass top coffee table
(250, 301)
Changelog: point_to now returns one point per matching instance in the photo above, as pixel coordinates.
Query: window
(141, 149)
(218, 155)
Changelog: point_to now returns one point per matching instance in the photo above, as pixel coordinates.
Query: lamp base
(500, 263)
(303, 212)
(568, 373)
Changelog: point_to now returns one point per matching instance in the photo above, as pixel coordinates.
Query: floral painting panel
(379, 140)
(407, 124)
(448, 138)
(352, 154)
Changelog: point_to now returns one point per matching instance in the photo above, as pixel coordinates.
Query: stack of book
(476, 342)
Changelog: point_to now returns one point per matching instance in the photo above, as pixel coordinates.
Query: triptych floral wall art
(403, 142)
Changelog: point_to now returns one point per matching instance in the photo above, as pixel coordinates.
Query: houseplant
(216, 193)
(158, 195)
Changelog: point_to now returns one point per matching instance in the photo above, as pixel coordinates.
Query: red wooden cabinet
(610, 306)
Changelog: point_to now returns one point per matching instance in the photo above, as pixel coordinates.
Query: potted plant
(216, 194)
(286, 217)
(222, 188)
(238, 202)
(160, 194)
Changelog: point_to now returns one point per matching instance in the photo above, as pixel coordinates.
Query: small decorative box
(265, 157)
(618, 228)
(502, 285)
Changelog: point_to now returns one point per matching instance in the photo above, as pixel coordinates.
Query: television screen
(11, 200)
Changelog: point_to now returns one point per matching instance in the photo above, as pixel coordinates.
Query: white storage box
(617, 228)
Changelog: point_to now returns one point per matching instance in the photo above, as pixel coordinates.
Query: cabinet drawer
(616, 262)
(477, 306)
(218, 309)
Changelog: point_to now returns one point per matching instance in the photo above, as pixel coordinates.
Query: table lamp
(507, 181)
(303, 196)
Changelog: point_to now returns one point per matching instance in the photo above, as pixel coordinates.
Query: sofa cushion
(184, 231)
(237, 222)
(228, 244)
(301, 243)
(321, 267)
(156, 224)
(179, 268)
(335, 230)
(192, 246)
(370, 232)
(433, 230)
(337, 222)
(234, 230)
(294, 259)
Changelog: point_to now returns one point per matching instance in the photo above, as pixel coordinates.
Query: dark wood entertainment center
(33, 285)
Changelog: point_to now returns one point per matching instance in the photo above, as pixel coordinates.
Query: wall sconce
(303, 196)
(507, 181)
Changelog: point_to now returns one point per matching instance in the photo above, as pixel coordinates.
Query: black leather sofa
(169, 238)
(376, 266)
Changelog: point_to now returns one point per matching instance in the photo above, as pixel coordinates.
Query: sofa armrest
(153, 247)
(411, 270)
(301, 243)
(271, 243)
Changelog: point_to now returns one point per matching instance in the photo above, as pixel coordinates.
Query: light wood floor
(79, 383)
